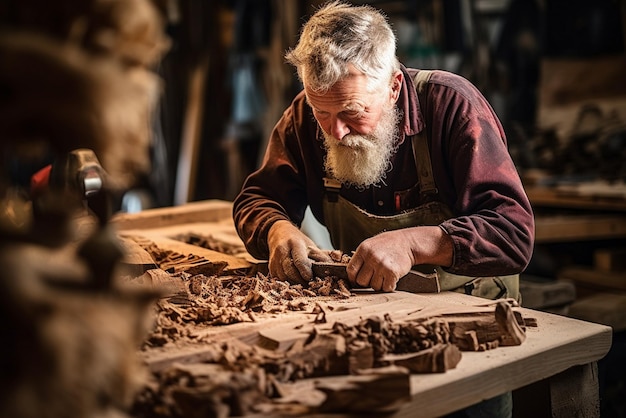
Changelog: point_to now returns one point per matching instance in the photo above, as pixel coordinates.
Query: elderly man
(405, 168)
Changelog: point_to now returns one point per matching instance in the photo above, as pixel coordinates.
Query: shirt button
(380, 203)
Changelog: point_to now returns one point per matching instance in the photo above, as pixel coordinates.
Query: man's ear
(396, 85)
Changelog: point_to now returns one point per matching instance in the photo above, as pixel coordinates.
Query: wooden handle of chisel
(415, 281)
(418, 282)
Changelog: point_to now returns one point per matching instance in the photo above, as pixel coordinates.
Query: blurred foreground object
(77, 95)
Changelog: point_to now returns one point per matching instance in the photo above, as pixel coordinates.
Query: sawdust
(223, 300)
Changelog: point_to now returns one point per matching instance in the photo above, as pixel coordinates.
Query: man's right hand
(291, 253)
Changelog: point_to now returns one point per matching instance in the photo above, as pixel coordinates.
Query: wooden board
(595, 279)
(553, 197)
(221, 231)
(234, 264)
(202, 211)
(564, 228)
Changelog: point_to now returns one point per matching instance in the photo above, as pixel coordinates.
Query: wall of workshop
(246, 84)
(238, 47)
(232, 52)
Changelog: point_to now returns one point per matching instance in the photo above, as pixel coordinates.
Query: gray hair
(339, 34)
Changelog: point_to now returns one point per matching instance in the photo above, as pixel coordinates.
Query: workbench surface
(560, 349)
(561, 352)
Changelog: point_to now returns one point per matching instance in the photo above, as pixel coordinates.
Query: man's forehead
(347, 92)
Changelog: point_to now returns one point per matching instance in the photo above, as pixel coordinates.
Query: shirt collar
(413, 118)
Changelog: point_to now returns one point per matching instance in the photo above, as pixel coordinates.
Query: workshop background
(552, 69)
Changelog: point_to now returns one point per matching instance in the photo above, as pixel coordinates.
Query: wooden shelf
(571, 199)
(568, 228)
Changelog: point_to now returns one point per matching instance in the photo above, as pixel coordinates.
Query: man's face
(360, 130)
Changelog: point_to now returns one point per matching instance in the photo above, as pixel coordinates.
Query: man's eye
(353, 114)
(320, 115)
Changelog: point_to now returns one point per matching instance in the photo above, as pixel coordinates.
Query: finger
(353, 268)
(376, 282)
(276, 269)
(303, 265)
(389, 284)
(364, 276)
(292, 275)
(317, 254)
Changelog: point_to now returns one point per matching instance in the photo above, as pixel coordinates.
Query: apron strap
(421, 79)
(421, 152)
(332, 186)
(424, 166)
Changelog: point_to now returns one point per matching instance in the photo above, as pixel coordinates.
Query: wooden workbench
(560, 353)
(558, 357)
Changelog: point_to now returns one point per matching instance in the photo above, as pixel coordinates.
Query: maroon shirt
(493, 227)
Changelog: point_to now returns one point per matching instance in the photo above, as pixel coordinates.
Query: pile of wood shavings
(223, 300)
(236, 379)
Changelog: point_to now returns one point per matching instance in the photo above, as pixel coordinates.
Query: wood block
(586, 396)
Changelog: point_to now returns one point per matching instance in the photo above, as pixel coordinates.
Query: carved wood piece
(437, 359)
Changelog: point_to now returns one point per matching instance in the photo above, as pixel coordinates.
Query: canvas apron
(349, 225)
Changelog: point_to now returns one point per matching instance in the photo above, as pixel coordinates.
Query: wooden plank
(589, 277)
(223, 231)
(234, 264)
(615, 191)
(191, 137)
(563, 228)
(201, 211)
(552, 197)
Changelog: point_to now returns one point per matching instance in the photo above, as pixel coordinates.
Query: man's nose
(338, 128)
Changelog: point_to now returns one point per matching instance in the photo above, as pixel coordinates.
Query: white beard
(364, 160)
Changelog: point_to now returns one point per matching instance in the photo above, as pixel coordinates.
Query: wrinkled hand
(292, 253)
(380, 261)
